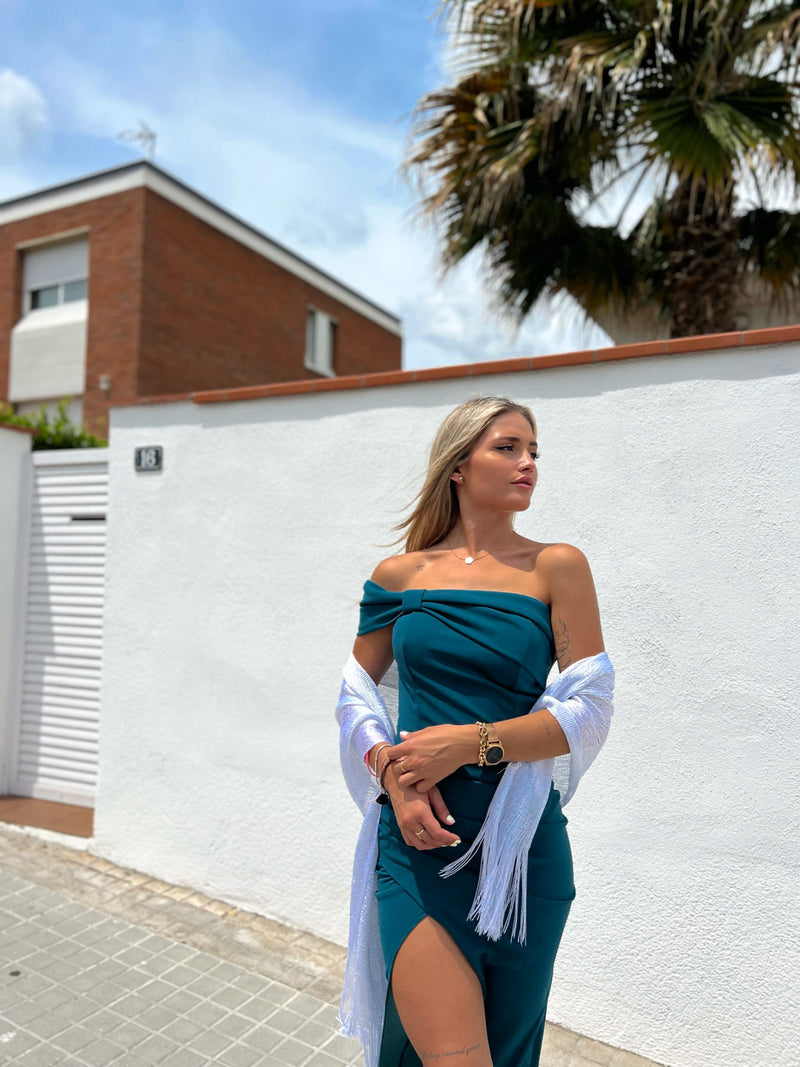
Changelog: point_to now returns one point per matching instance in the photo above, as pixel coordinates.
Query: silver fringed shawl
(580, 699)
(364, 721)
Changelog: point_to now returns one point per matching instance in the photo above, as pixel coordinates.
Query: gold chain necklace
(469, 560)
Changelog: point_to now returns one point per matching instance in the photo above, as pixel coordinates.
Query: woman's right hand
(416, 811)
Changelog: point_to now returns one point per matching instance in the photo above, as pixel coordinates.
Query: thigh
(439, 999)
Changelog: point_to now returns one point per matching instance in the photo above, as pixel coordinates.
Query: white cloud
(23, 115)
(456, 319)
(331, 229)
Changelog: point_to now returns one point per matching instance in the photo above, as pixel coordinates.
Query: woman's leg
(439, 1000)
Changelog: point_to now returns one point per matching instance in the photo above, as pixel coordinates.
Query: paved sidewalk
(105, 966)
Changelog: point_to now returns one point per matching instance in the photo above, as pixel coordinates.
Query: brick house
(128, 284)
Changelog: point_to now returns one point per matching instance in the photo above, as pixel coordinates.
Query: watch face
(494, 753)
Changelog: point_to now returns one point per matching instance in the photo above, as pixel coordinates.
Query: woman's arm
(574, 614)
(431, 754)
(374, 650)
(413, 808)
(575, 618)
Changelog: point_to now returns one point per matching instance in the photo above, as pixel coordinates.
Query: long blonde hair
(436, 508)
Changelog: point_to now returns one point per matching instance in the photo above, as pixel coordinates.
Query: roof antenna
(143, 136)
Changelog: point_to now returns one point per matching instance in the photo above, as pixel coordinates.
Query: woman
(472, 872)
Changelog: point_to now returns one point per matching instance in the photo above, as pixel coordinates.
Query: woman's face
(501, 469)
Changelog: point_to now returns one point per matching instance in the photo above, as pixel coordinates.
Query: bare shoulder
(396, 572)
(561, 560)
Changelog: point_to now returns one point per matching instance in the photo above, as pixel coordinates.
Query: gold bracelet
(483, 730)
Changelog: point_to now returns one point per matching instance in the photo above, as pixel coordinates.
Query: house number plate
(150, 458)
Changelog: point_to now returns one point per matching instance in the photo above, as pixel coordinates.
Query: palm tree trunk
(702, 263)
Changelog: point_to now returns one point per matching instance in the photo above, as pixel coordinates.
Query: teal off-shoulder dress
(465, 655)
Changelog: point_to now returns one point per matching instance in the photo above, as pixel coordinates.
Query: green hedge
(51, 429)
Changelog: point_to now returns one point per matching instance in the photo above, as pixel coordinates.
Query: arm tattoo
(465, 1050)
(562, 645)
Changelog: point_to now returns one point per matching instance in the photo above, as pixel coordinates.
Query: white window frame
(61, 287)
(320, 354)
(57, 267)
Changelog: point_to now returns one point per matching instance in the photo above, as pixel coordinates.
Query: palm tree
(563, 104)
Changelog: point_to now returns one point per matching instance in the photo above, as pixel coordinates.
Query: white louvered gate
(59, 690)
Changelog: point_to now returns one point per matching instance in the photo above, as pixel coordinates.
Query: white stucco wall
(15, 447)
(234, 578)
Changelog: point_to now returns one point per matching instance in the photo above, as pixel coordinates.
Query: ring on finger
(420, 832)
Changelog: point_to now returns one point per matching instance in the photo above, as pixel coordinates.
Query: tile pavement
(105, 966)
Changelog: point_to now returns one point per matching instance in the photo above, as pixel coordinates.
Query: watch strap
(489, 740)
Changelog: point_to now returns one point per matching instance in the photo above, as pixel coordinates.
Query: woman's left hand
(426, 756)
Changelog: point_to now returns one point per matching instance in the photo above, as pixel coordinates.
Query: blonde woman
(466, 852)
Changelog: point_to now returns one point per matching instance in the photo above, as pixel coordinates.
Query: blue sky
(292, 115)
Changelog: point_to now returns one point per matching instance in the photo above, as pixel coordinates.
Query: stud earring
(461, 479)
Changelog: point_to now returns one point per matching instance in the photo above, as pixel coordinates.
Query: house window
(51, 295)
(75, 290)
(55, 274)
(44, 298)
(320, 342)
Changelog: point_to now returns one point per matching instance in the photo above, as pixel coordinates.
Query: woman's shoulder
(396, 572)
(560, 563)
(382, 601)
(559, 555)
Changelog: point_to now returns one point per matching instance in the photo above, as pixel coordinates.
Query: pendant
(469, 559)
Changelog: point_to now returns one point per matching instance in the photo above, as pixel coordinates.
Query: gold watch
(490, 750)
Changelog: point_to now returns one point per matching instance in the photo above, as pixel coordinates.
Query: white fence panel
(59, 692)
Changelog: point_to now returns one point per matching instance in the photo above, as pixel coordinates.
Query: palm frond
(770, 247)
(546, 251)
(776, 30)
(676, 133)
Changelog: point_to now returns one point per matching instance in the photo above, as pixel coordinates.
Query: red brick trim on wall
(678, 346)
